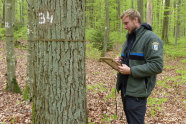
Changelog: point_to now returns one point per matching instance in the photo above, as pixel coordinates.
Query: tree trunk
(3, 19)
(158, 16)
(166, 22)
(59, 88)
(149, 12)
(119, 13)
(22, 9)
(106, 28)
(20, 12)
(140, 8)
(177, 32)
(29, 83)
(12, 84)
(132, 4)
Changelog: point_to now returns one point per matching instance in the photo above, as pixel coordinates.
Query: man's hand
(124, 69)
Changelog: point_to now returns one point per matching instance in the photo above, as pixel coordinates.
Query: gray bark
(22, 10)
(140, 8)
(10, 54)
(59, 90)
(106, 28)
(29, 86)
(3, 18)
(132, 4)
(158, 15)
(177, 32)
(119, 13)
(149, 12)
(166, 22)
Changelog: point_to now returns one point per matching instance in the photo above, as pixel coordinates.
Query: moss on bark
(14, 88)
(26, 94)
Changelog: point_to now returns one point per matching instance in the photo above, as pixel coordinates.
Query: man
(141, 59)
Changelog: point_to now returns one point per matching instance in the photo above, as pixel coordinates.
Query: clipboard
(111, 62)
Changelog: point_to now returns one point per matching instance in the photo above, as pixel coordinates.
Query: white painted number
(28, 31)
(7, 25)
(43, 19)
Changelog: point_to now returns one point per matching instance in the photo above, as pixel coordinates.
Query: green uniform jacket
(145, 61)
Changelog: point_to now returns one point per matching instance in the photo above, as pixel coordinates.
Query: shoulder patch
(155, 45)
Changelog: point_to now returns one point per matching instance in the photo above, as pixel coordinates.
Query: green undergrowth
(21, 46)
(12, 120)
(175, 51)
(169, 67)
(108, 119)
(183, 61)
(177, 78)
(26, 94)
(2, 33)
(92, 52)
(99, 87)
(155, 104)
(20, 32)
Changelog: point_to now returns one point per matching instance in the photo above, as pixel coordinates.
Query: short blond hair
(131, 13)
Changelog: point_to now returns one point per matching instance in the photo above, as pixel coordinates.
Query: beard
(133, 28)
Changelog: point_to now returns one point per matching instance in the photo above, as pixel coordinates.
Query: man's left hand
(124, 69)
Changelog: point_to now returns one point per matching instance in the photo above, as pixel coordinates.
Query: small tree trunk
(149, 12)
(177, 32)
(106, 28)
(12, 84)
(158, 16)
(3, 19)
(166, 22)
(119, 22)
(20, 12)
(140, 8)
(29, 83)
(22, 9)
(132, 4)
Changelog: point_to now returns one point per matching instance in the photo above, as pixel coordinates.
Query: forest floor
(165, 105)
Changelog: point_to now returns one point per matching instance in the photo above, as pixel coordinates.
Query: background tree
(3, 13)
(149, 12)
(119, 14)
(27, 95)
(165, 30)
(140, 8)
(12, 84)
(178, 22)
(59, 91)
(132, 3)
(157, 16)
(21, 6)
(106, 28)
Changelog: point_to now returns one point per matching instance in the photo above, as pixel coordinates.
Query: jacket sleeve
(153, 54)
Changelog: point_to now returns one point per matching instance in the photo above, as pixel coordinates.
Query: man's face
(129, 24)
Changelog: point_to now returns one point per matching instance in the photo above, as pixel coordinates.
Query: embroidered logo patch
(155, 45)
